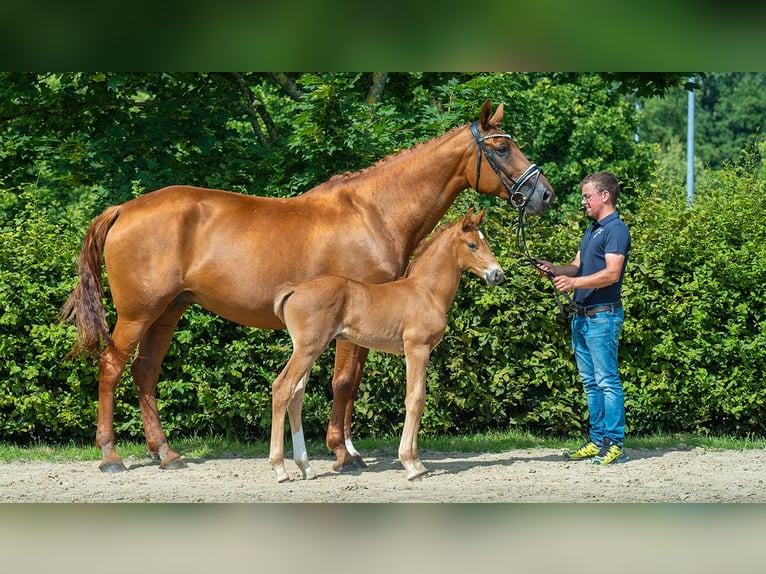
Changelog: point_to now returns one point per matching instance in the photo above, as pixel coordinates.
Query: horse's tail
(84, 306)
(283, 294)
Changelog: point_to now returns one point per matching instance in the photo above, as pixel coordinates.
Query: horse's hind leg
(349, 361)
(146, 370)
(111, 365)
(349, 415)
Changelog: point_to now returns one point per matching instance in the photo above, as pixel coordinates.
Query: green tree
(730, 116)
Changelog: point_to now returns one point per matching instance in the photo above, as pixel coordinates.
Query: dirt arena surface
(531, 475)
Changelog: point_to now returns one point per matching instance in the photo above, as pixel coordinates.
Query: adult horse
(230, 252)
(404, 317)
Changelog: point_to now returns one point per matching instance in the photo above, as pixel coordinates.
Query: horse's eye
(502, 150)
(472, 246)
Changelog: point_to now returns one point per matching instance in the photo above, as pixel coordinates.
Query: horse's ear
(488, 122)
(484, 115)
(480, 216)
(498, 117)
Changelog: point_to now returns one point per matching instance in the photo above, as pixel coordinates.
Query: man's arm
(549, 268)
(607, 276)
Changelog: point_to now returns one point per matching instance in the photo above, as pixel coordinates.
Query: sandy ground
(533, 475)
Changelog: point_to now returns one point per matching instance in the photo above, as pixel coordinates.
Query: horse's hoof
(113, 467)
(352, 465)
(308, 473)
(173, 464)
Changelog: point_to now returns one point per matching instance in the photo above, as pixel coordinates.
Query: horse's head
(507, 173)
(473, 250)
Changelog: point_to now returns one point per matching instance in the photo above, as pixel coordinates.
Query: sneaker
(610, 453)
(588, 450)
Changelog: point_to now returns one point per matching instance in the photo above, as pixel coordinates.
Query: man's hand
(564, 282)
(544, 267)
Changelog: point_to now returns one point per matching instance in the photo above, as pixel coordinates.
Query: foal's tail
(283, 294)
(84, 307)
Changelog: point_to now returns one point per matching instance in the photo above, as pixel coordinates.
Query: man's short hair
(604, 180)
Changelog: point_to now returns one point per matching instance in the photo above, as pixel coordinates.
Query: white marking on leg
(301, 456)
(350, 448)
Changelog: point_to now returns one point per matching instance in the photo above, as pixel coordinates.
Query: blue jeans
(595, 341)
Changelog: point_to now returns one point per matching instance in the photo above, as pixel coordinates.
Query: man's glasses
(587, 198)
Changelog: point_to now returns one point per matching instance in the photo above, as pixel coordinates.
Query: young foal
(407, 317)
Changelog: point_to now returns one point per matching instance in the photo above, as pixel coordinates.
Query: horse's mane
(342, 178)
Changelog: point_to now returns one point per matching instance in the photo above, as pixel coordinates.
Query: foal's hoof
(112, 467)
(173, 464)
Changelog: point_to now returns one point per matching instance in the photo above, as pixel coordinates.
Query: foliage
(695, 341)
(73, 143)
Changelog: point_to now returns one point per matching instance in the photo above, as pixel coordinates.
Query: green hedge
(693, 349)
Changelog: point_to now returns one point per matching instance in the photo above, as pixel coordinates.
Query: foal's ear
(488, 122)
(471, 221)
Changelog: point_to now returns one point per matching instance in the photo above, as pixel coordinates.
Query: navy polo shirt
(610, 235)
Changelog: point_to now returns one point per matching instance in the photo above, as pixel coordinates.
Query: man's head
(599, 193)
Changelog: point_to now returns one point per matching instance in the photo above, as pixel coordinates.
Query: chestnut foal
(407, 317)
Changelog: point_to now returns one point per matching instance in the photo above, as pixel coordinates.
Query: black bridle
(516, 196)
(519, 200)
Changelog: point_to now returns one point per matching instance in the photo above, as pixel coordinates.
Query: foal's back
(372, 316)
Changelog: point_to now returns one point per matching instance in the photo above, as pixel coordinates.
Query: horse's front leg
(417, 361)
(294, 412)
(344, 385)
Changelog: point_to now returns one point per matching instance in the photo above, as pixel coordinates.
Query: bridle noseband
(515, 196)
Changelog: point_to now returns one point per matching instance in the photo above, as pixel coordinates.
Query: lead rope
(528, 260)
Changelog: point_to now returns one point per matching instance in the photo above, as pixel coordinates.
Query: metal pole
(690, 145)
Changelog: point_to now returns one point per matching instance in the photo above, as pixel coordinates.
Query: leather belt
(591, 312)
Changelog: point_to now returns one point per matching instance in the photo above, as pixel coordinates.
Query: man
(596, 275)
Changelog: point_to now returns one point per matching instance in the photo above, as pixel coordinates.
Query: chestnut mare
(407, 317)
(230, 252)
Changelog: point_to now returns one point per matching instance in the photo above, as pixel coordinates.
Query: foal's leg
(294, 411)
(345, 384)
(283, 393)
(146, 370)
(417, 360)
(111, 365)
